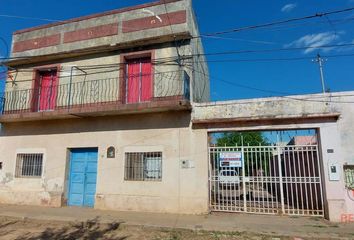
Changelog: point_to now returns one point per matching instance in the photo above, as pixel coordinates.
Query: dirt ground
(27, 229)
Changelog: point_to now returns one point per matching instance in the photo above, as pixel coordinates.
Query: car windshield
(230, 173)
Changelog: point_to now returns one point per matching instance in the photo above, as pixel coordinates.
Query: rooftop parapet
(157, 22)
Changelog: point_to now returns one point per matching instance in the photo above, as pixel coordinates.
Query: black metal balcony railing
(165, 85)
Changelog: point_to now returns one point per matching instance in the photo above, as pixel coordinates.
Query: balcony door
(46, 90)
(139, 80)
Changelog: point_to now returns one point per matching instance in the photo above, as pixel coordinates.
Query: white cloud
(315, 40)
(288, 7)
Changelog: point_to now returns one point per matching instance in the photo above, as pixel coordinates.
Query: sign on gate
(231, 159)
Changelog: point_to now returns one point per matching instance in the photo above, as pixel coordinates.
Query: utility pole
(320, 62)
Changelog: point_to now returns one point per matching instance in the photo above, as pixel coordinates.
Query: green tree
(259, 158)
(235, 138)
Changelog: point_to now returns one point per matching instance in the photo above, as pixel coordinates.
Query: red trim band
(154, 22)
(90, 33)
(36, 43)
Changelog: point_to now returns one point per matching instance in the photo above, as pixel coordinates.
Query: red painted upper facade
(128, 27)
(107, 64)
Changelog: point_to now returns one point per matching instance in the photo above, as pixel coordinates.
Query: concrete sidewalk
(264, 224)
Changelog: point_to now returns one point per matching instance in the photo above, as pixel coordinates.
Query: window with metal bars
(143, 166)
(29, 165)
(349, 176)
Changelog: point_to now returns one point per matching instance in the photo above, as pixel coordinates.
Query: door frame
(124, 59)
(68, 171)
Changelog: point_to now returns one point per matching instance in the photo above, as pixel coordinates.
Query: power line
(225, 81)
(244, 86)
(30, 18)
(281, 49)
(325, 14)
(108, 69)
(270, 91)
(174, 36)
(241, 40)
(118, 66)
(216, 33)
(247, 51)
(274, 59)
(238, 51)
(172, 61)
(251, 27)
(285, 27)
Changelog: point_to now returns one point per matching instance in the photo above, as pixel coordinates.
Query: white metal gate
(266, 180)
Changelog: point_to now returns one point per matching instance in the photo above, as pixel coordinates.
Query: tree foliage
(235, 139)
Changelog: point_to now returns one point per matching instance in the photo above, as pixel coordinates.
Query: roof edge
(218, 125)
(334, 116)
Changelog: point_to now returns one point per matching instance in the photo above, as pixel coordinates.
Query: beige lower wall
(182, 190)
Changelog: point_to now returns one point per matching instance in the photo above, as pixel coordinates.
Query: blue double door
(82, 177)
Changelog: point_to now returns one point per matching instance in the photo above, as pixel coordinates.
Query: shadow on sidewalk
(89, 230)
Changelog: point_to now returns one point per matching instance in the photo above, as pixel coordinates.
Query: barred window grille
(143, 166)
(29, 165)
(349, 176)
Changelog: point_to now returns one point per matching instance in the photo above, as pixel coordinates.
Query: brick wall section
(153, 22)
(92, 32)
(36, 43)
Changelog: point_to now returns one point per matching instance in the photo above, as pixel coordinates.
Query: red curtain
(133, 81)
(146, 83)
(139, 78)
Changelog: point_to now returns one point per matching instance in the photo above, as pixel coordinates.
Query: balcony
(99, 97)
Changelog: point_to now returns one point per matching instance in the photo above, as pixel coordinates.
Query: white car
(231, 186)
(229, 176)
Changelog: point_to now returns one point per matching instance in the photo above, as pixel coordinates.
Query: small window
(29, 165)
(143, 166)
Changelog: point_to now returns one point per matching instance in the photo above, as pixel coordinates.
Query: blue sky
(293, 77)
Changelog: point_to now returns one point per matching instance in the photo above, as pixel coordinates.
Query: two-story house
(96, 112)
